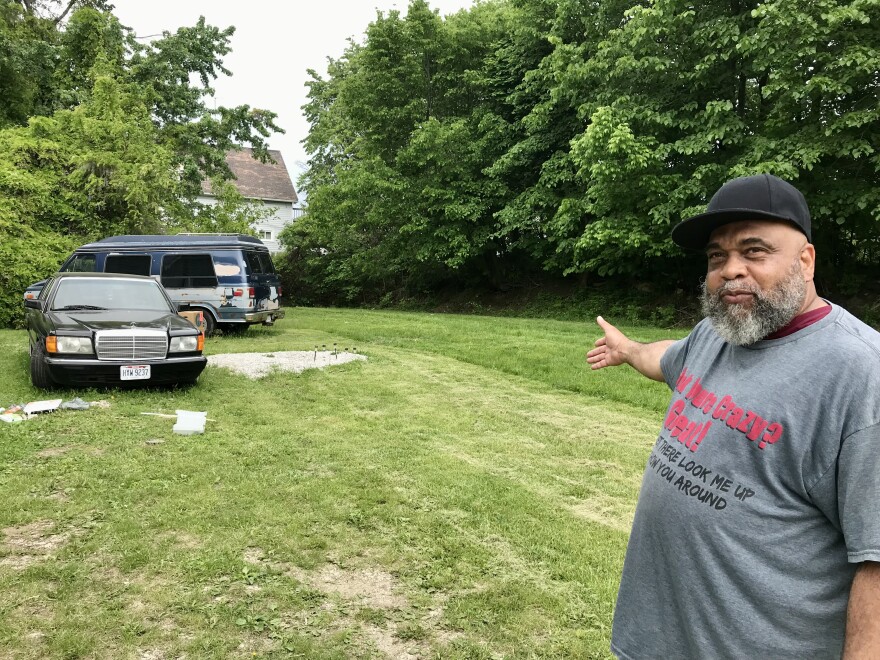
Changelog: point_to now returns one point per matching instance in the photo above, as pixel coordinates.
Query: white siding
(282, 215)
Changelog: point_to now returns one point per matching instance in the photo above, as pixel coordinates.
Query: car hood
(118, 320)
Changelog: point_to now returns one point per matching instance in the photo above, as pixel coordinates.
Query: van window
(268, 266)
(80, 263)
(254, 263)
(130, 264)
(227, 265)
(260, 263)
(188, 271)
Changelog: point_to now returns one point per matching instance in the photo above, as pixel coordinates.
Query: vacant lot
(466, 492)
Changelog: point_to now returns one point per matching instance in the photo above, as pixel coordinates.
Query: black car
(108, 329)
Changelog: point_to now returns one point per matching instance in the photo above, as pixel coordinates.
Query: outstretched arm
(863, 614)
(614, 348)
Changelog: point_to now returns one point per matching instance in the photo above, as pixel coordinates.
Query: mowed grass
(464, 493)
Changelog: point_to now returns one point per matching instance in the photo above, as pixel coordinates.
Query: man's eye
(715, 256)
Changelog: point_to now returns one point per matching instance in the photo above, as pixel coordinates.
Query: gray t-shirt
(761, 495)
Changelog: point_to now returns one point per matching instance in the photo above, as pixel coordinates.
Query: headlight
(183, 344)
(73, 345)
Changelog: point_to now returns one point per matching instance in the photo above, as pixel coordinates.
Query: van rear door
(262, 278)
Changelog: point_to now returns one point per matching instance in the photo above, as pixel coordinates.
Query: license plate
(134, 372)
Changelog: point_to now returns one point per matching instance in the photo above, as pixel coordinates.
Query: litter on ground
(188, 422)
(19, 412)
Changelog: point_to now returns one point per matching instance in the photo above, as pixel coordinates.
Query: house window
(265, 234)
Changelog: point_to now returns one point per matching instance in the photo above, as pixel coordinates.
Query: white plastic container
(190, 422)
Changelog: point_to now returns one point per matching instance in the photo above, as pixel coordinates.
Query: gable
(256, 180)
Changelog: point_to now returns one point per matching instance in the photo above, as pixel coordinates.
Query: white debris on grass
(257, 365)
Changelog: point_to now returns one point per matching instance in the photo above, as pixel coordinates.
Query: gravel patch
(257, 365)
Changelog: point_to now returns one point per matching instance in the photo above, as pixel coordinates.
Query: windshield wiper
(69, 308)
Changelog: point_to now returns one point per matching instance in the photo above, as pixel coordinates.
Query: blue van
(229, 277)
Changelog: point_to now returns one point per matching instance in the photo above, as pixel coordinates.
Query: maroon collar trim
(800, 322)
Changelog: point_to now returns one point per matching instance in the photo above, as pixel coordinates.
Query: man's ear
(808, 261)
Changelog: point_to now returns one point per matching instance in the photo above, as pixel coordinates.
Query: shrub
(28, 257)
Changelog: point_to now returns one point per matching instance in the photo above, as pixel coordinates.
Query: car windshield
(94, 293)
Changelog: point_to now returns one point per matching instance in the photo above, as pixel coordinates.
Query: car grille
(131, 344)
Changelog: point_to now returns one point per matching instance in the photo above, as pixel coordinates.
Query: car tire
(40, 376)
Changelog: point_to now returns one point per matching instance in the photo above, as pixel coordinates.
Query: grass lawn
(464, 493)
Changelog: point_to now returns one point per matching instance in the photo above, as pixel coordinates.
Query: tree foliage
(569, 136)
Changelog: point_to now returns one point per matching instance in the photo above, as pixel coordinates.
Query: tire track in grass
(584, 456)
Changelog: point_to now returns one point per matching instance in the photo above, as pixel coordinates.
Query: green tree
(401, 126)
(686, 97)
(28, 47)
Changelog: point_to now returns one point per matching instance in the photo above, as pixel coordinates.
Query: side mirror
(33, 303)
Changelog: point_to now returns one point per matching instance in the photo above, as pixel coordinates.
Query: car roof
(104, 276)
(176, 242)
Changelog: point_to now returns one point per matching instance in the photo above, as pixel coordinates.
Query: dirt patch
(182, 540)
(390, 646)
(55, 452)
(370, 588)
(27, 544)
(52, 452)
(151, 654)
(59, 496)
(254, 555)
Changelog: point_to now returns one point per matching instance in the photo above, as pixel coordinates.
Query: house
(268, 183)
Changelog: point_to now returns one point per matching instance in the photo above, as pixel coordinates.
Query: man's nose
(734, 267)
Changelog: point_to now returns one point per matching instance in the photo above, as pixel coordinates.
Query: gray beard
(770, 310)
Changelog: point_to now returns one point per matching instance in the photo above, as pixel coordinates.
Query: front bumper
(76, 371)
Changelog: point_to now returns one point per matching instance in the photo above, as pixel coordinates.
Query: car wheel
(40, 376)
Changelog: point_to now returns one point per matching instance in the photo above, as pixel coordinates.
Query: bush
(28, 257)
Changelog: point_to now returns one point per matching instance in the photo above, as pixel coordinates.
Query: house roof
(256, 180)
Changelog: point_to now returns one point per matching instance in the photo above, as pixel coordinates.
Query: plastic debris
(37, 407)
(100, 404)
(190, 422)
(75, 404)
(11, 418)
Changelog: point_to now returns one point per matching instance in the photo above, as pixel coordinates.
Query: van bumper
(267, 316)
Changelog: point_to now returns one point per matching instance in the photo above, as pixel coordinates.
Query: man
(757, 530)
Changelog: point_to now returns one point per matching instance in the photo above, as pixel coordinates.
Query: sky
(274, 44)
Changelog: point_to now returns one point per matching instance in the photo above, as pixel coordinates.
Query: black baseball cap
(758, 197)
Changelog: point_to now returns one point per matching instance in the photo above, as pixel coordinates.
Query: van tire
(40, 377)
(210, 323)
